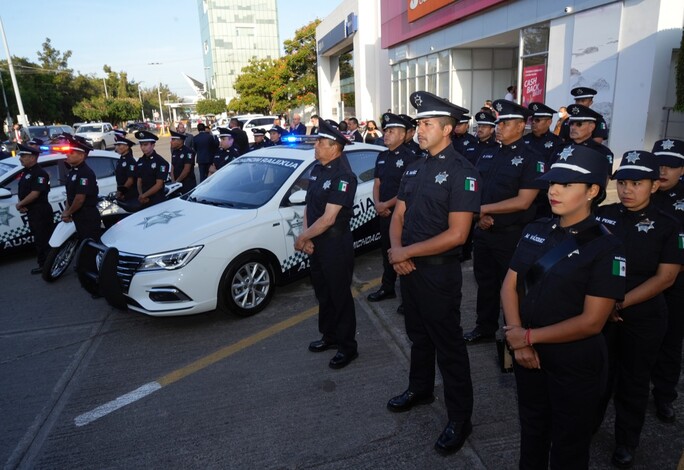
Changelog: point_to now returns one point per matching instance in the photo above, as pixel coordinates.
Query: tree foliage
(114, 110)
(210, 106)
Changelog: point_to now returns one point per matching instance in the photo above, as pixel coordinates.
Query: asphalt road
(86, 386)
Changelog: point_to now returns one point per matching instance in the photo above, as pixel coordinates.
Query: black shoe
(665, 412)
(342, 359)
(37, 270)
(623, 457)
(321, 345)
(400, 309)
(381, 294)
(453, 437)
(476, 336)
(408, 400)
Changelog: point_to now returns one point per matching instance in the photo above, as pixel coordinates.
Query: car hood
(173, 225)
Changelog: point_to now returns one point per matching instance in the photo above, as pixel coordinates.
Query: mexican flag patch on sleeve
(470, 184)
(619, 267)
(343, 186)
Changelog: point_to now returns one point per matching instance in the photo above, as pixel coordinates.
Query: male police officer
(81, 192)
(437, 198)
(508, 191)
(410, 133)
(227, 151)
(541, 139)
(464, 142)
(585, 96)
(126, 188)
(275, 133)
(486, 132)
(34, 186)
(182, 162)
(260, 140)
(327, 239)
(152, 170)
(389, 166)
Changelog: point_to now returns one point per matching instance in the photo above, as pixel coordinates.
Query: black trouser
(633, 346)
(432, 315)
(332, 267)
(668, 366)
(188, 183)
(203, 171)
(87, 220)
(389, 275)
(492, 253)
(557, 403)
(41, 222)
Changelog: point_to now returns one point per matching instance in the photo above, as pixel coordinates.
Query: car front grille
(128, 264)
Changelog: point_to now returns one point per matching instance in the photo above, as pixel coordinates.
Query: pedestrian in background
(372, 133)
(354, 133)
(296, 127)
(205, 146)
(180, 128)
(240, 136)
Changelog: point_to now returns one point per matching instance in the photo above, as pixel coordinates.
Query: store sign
(533, 84)
(420, 8)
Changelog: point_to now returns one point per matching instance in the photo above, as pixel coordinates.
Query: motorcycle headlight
(169, 260)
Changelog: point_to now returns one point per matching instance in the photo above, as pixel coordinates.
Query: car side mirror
(5, 193)
(297, 198)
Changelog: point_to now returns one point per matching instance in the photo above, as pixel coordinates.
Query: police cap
(541, 110)
(579, 112)
(578, 164)
(26, 150)
(121, 140)
(670, 152)
(279, 129)
(146, 136)
(327, 131)
(428, 106)
(485, 119)
(225, 132)
(409, 120)
(509, 110)
(394, 120)
(582, 92)
(258, 131)
(76, 142)
(177, 135)
(638, 165)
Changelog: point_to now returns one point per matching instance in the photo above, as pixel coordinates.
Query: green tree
(258, 87)
(114, 110)
(210, 106)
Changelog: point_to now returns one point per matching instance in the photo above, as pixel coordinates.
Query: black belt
(435, 260)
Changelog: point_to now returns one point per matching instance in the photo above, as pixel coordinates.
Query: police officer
(508, 192)
(410, 134)
(182, 162)
(241, 142)
(560, 289)
(389, 166)
(486, 133)
(541, 139)
(126, 188)
(437, 198)
(670, 199)
(152, 170)
(34, 186)
(327, 239)
(585, 96)
(464, 142)
(81, 192)
(260, 140)
(227, 152)
(275, 133)
(637, 326)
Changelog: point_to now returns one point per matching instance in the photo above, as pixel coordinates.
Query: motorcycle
(64, 240)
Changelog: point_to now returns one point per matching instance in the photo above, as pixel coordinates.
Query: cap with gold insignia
(578, 164)
(259, 131)
(328, 131)
(428, 106)
(485, 119)
(509, 110)
(541, 110)
(409, 120)
(26, 150)
(177, 135)
(146, 136)
(582, 92)
(578, 112)
(670, 152)
(638, 165)
(394, 120)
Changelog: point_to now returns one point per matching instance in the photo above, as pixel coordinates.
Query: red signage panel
(420, 8)
(533, 84)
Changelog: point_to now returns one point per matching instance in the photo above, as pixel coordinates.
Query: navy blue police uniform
(179, 158)
(278, 130)
(412, 144)
(486, 119)
(260, 145)
(81, 180)
(601, 130)
(151, 168)
(39, 213)
(651, 237)
(544, 145)
(466, 144)
(225, 156)
(125, 169)
(668, 366)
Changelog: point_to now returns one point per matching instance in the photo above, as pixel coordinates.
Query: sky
(129, 35)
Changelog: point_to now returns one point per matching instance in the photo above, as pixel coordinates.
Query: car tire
(247, 285)
(59, 259)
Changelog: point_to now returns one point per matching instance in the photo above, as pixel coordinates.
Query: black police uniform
(149, 169)
(601, 130)
(568, 387)
(486, 145)
(179, 158)
(261, 145)
(544, 144)
(39, 212)
(81, 180)
(505, 171)
(651, 237)
(467, 145)
(389, 166)
(432, 188)
(125, 168)
(224, 157)
(332, 261)
(414, 147)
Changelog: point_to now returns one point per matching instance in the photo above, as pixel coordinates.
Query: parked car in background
(57, 129)
(77, 125)
(136, 126)
(99, 135)
(39, 132)
(251, 122)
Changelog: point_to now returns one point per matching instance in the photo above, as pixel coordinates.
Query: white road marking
(114, 405)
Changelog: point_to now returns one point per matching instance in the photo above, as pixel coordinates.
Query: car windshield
(38, 132)
(246, 183)
(88, 128)
(5, 168)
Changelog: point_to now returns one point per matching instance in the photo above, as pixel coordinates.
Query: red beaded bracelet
(527, 337)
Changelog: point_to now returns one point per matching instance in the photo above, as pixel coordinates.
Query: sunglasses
(538, 119)
(577, 123)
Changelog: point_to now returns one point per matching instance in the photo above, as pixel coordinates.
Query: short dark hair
(510, 88)
(354, 120)
(201, 127)
(236, 121)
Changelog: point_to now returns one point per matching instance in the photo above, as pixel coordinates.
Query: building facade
(233, 32)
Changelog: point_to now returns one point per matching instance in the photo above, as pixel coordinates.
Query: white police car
(226, 244)
(14, 230)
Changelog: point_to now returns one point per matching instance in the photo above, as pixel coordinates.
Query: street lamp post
(20, 104)
(161, 109)
(142, 105)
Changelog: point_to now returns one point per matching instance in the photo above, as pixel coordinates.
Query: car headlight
(169, 260)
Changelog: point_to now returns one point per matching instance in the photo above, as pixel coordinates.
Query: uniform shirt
(466, 145)
(601, 130)
(334, 183)
(505, 171)
(486, 146)
(224, 157)
(433, 187)
(415, 148)
(558, 153)
(34, 179)
(81, 180)
(544, 144)
(389, 166)
(181, 157)
(261, 145)
(149, 169)
(650, 236)
(592, 269)
(125, 168)
(672, 202)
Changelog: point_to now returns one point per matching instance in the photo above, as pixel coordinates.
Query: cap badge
(632, 156)
(580, 91)
(441, 177)
(499, 108)
(667, 144)
(535, 107)
(418, 101)
(481, 116)
(385, 117)
(575, 111)
(565, 153)
(645, 225)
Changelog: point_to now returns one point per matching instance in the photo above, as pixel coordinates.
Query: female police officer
(638, 323)
(557, 295)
